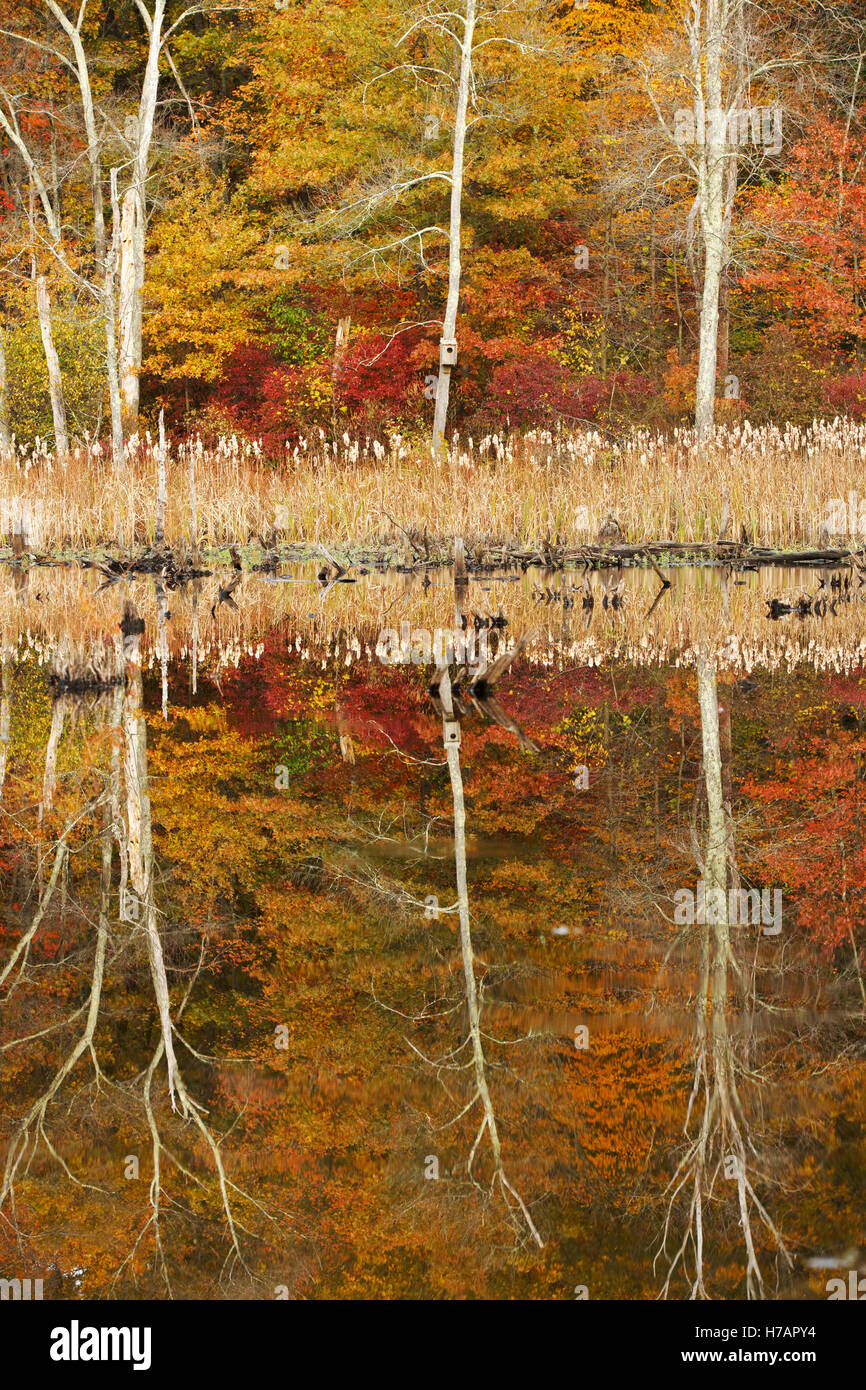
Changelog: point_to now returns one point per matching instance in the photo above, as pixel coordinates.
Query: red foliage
(379, 384)
(246, 378)
(263, 398)
(536, 389)
(847, 394)
(610, 397)
(380, 378)
(530, 388)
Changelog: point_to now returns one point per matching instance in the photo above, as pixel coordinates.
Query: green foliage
(298, 336)
(30, 710)
(78, 338)
(303, 746)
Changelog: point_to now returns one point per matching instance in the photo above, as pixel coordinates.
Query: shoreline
(482, 561)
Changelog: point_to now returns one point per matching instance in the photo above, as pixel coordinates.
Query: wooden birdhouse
(451, 733)
(448, 352)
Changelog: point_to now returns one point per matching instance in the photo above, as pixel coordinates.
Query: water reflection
(721, 1151)
(753, 619)
(327, 977)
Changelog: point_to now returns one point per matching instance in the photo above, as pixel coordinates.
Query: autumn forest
(256, 203)
(432, 667)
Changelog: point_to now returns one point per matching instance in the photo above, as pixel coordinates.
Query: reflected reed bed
(56, 615)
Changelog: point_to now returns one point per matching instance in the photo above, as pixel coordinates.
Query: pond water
(319, 984)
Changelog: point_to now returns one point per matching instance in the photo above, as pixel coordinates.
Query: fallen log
(718, 551)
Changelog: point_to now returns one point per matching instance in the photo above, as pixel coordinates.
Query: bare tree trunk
(723, 351)
(605, 294)
(448, 344)
(37, 185)
(731, 173)
(652, 268)
(127, 314)
(93, 145)
(705, 393)
(135, 221)
(193, 506)
(707, 60)
(344, 734)
(109, 308)
(152, 14)
(5, 429)
(340, 344)
(52, 146)
(55, 382)
(679, 310)
(159, 537)
(107, 263)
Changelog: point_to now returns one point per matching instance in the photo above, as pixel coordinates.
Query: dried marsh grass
(781, 485)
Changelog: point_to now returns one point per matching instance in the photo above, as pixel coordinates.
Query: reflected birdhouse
(451, 734)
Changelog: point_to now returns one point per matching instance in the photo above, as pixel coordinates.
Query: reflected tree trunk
(473, 1007)
(5, 716)
(162, 628)
(722, 1150)
(49, 781)
(716, 857)
(196, 583)
(46, 1121)
(138, 830)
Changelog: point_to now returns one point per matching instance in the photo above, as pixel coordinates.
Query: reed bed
(782, 485)
(86, 664)
(60, 610)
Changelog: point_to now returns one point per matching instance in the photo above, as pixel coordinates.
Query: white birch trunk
(109, 308)
(128, 368)
(55, 382)
(132, 269)
(449, 327)
(193, 506)
(106, 262)
(340, 344)
(5, 426)
(707, 61)
(159, 537)
(93, 144)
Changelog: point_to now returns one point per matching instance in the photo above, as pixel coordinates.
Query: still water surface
(316, 984)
